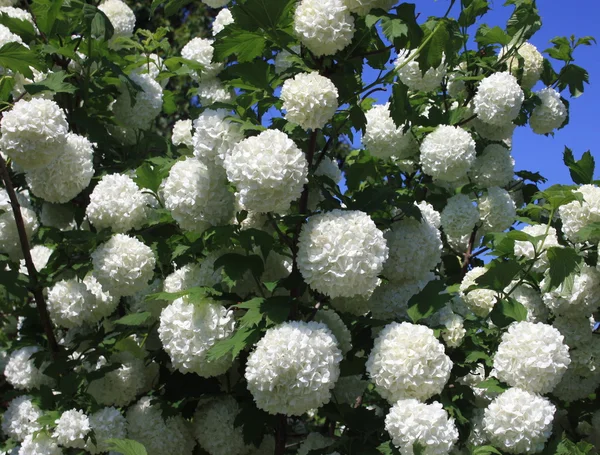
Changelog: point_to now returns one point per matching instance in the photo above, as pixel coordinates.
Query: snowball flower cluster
(214, 428)
(120, 16)
(107, 423)
(40, 255)
(519, 422)
(549, 115)
(497, 210)
(503, 132)
(390, 300)
(533, 63)
(531, 299)
(20, 418)
(6, 36)
(213, 91)
(410, 422)
(197, 195)
(293, 368)
(407, 361)
(448, 153)
(479, 301)
(283, 59)
(9, 235)
(411, 75)
(577, 215)
(332, 320)
(188, 331)
(147, 103)
(494, 167)
(460, 216)
(581, 298)
(20, 370)
(201, 50)
(222, 20)
(309, 99)
(123, 265)
(531, 356)
(215, 135)
(498, 99)
(362, 7)
(160, 436)
(323, 26)
(383, 139)
(17, 13)
(71, 429)
(340, 253)
(526, 249)
(34, 133)
(182, 133)
(269, 171)
(42, 444)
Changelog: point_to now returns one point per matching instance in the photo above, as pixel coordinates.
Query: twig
(468, 253)
(280, 434)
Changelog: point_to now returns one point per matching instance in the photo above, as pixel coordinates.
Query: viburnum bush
(214, 239)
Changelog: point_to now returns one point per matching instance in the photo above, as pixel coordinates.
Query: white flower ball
(71, 429)
(138, 302)
(314, 441)
(531, 299)
(362, 7)
(42, 444)
(34, 133)
(323, 26)
(215, 135)
(160, 436)
(73, 303)
(40, 255)
(213, 91)
(494, 132)
(448, 153)
(6, 36)
(293, 368)
(460, 216)
(188, 331)
(197, 195)
(415, 248)
(147, 103)
(454, 331)
(498, 99)
(182, 133)
(518, 421)
(332, 320)
(576, 215)
(340, 253)
(533, 63)
(309, 99)
(123, 265)
(525, 249)
(17, 13)
(329, 168)
(582, 298)
(118, 387)
(407, 361)
(9, 235)
(494, 167)
(574, 387)
(120, 16)
(185, 277)
(283, 59)
(107, 423)
(549, 115)
(357, 305)
(20, 418)
(201, 50)
(58, 216)
(66, 176)
(222, 20)
(479, 301)
(383, 139)
(348, 388)
(411, 75)
(21, 372)
(497, 210)
(214, 428)
(269, 171)
(390, 300)
(410, 422)
(531, 356)
(152, 64)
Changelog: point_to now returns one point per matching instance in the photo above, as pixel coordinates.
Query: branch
(280, 434)
(36, 289)
(468, 253)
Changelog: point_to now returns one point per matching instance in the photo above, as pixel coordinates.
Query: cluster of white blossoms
(201, 50)
(222, 20)
(71, 429)
(410, 422)
(293, 368)
(362, 7)
(9, 235)
(17, 13)
(147, 103)
(269, 172)
(497, 210)
(309, 100)
(533, 63)
(211, 90)
(120, 16)
(332, 320)
(117, 203)
(197, 195)
(531, 356)
(20, 370)
(407, 361)
(494, 167)
(448, 153)
(159, 436)
(518, 421)
(68, 175)
(390, 300)
(479, 301)
(215, 135)
(531, 299)
(341, 253)
(459, 216)
(383, 139)
(107, 423)
(214, 428)
(498, 99)
(545, 238)
(123, 265)
(580, 298)
(323, 26)
(188, 331)
(34, 133)
(182, 133)
(41, 444)
(21, 418)
(550, 114)
(576, 215)
(409, 72)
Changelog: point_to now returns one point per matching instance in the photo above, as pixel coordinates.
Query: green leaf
(134, 319)
(148, 176)
(46, 13)
(485, 450)
(101, 27)
(590, 232)
(400, 107)
(507, 311)
(492, 385)
(486, 36)
(126, 447)
(244, 44)
(469, 15)
(23, 28)
(54, 82)
(243, 337)
(18, 58)
(393, 28)
(567, 447)
(582, 171)
(574, 77)
(558, 195)
(173, 7)
(563, 262)
(236, 265)
(498, 275)
(387, 448)
(254, 314)
(432, 298)
(525, 20)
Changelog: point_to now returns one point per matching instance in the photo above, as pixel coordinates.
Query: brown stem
(280, 434)
(35, 287)
(468, 254)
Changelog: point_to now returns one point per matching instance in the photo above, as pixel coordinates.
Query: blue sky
(559, 18)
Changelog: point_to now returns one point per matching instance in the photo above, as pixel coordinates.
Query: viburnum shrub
(250, 227)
